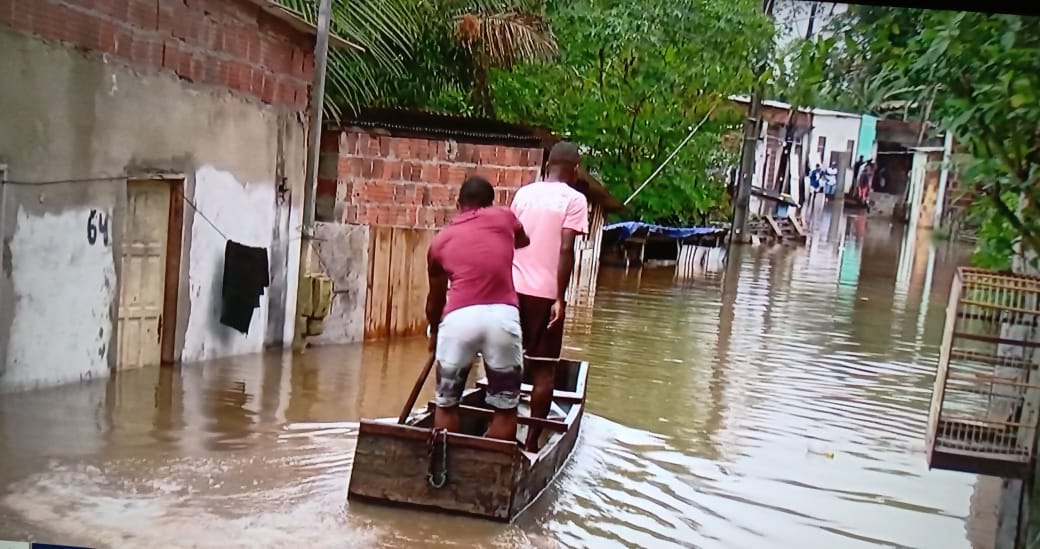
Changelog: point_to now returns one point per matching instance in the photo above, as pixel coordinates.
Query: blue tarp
(629, 228)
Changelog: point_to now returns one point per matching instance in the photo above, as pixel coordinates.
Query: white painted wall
(64, 288)
(839, 129)
(244, 212)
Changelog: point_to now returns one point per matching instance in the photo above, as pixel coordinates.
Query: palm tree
(500, 35)
(402, 35)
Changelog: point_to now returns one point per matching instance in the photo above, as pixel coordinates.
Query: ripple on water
(781, 405)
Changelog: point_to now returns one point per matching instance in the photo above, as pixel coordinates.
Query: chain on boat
(437, 479)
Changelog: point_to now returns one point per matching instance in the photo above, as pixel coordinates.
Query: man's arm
(520, 238)
(566, 267)
(438, 294)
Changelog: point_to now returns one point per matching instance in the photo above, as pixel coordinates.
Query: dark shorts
(540, 341)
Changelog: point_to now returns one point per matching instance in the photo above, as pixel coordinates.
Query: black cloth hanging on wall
(246, 274)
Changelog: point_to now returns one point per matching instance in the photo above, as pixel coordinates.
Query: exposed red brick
(511, 178)
(402, 148)
(350, 214)
(508, 156)
(438, 150)
(486, 172)
(368, 145)
(219, 42)
(484, 154)
(143, 14)
(456, 175)
(286, 93)
(466, 153)
(355, 167)
(308, 66)
(420, 149)
(385, 144)
(412, 171)
(531, 157)
(392, 170)
(351, 143)
(142, 51)
(407, 194)
(440, 195)
(430, 173)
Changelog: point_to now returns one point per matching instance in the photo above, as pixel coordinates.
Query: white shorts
(494, 332)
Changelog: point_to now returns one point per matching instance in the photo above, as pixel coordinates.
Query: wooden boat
(403, 464)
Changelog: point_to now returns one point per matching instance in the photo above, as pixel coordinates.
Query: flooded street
(780, 404)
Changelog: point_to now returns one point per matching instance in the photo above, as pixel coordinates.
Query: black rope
(102, 179)
(203, 216)
(194, 207)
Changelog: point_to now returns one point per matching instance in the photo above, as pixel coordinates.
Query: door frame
(172, 269)
(172, 276)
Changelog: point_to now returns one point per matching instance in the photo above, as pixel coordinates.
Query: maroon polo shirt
(476, 251)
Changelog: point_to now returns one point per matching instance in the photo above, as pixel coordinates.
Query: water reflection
(780, 403)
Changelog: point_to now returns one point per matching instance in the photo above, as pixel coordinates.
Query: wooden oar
(416, 389)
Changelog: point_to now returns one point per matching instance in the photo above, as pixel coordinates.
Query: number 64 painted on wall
(97, 223)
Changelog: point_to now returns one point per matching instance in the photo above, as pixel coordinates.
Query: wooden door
(143, 281)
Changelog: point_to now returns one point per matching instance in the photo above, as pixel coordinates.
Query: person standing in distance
(553, 214)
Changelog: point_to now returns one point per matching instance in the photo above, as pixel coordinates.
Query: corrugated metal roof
(417, 123)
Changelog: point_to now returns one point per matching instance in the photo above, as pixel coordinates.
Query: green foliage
(418, 53)
(629, 82)
(996, 237)
(979, 74)
(388, 30)
(633, 79)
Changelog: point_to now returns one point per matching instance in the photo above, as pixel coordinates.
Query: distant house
(834, 142)
(138, 138)
(389, 179)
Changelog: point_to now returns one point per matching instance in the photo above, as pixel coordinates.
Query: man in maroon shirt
(478, 313)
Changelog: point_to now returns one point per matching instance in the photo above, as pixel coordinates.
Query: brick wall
(402, 182)
(232, 44)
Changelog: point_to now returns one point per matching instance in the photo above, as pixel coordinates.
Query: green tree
(428, 53)
(978, 74)
(633, 79)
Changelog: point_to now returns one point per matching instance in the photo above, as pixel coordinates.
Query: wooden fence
(395, 301)
(587, 249)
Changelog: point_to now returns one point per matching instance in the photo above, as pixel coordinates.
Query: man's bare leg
(503, 425)
(543, 380)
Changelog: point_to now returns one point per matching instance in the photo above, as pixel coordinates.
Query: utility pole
(784, 172)
(321, 58)
(752, 129)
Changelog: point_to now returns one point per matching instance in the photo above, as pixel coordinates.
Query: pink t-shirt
(545, 208)
(476, 251)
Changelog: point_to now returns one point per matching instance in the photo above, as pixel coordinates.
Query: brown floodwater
(779, 404)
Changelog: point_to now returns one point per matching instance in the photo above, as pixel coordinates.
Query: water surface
(779, 404)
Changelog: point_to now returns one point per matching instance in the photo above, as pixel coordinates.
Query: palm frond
(507, 38)
(389, 30)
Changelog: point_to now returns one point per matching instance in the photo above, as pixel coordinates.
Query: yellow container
(321, 295)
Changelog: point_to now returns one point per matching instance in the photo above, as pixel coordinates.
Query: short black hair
(565, 154)
(476, 192)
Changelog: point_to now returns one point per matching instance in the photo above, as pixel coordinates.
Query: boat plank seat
(566, 397)
(550, 424)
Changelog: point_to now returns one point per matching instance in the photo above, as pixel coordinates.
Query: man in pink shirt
(552, 214)
(478, 313)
